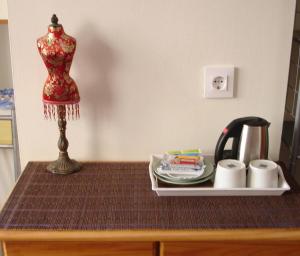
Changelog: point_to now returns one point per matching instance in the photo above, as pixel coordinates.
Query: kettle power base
(207, 189)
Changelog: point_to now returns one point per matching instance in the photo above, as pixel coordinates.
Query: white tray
(211, 191)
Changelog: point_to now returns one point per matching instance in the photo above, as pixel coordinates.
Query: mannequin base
(64, 165)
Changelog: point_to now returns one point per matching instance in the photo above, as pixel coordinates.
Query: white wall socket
(218, 81)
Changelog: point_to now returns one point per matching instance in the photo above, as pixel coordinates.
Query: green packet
(187, 151)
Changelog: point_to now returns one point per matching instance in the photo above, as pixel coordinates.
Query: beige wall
(139, 70)
(3, 9)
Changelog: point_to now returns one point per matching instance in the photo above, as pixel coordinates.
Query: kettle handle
(219, 151)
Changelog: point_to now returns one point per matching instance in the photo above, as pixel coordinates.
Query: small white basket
(211, 191)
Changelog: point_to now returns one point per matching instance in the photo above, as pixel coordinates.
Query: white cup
(262, 174)
(230, 173)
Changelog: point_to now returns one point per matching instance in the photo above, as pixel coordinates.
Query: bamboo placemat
(114, 196)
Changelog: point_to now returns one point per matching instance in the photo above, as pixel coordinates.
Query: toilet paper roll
(230, 173)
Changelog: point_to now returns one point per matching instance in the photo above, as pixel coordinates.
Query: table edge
(259, 234)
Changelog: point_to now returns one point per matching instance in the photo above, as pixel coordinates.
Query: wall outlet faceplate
(218, 81)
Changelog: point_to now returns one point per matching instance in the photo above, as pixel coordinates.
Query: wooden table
(62, 215)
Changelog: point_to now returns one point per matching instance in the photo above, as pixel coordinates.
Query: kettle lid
(257, 121)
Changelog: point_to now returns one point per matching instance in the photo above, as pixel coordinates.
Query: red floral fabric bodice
(57, 51)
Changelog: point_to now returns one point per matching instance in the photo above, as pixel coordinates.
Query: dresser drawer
(230, 248)
(78, 248)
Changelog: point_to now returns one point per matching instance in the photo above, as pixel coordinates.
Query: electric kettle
(250, 140)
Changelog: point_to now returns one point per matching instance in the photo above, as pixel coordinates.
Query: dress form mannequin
(60, 93)
(57, 50)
